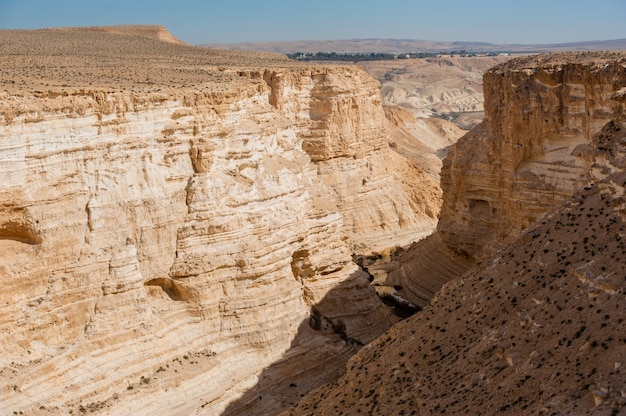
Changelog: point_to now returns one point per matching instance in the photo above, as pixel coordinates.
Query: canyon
(196, 231)
(431, 103)
(523, 282)
(171, 216)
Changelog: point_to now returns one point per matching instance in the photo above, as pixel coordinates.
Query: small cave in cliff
(169, 287)
(301, 264)
(21, 232)
(480, 207)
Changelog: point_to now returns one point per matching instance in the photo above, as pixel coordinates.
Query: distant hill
(154, 32)
(412, 45)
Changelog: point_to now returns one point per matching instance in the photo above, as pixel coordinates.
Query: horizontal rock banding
(172, 224)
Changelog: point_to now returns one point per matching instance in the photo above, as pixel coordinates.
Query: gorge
(533, 221)
(178, 227)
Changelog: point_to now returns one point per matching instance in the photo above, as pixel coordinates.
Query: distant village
(382, 56)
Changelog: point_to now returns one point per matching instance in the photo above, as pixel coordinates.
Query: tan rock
(422, 140)
(543, 117)
(531, 328)
(384, 200)
(161, 247)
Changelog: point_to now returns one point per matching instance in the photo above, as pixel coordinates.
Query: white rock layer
(158, 251)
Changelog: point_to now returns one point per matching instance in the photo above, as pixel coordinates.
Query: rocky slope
(171, 216)
(423, 140)
(445, 86)
(535, 195)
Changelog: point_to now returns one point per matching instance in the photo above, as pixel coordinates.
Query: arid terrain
(445, 87)
(530, 239)
(122, 58)
(192, 231)
(536, 329)
(431, 103)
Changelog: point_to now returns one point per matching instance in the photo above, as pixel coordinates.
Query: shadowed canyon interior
(196, 231)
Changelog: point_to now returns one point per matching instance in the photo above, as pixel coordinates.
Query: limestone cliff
(535, 196)
(384, 199)
(160, 246)
(531, 152)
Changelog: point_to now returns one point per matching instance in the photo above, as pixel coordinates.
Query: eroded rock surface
(447, 87)
(171, 216)
(531, 152)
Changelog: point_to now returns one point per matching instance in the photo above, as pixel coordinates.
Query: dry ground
(445, 87)
(539, 329)
(133, 58)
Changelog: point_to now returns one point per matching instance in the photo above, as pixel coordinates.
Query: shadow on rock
(349, 316)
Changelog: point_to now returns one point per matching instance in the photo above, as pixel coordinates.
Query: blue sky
(228, 21)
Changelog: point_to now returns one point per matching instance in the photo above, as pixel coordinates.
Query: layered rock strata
(344, 134)
(422, 140)
(537, 329)
(160, 248)
(538, 196)
(531, 152)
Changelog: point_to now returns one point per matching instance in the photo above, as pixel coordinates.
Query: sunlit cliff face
(174, 238)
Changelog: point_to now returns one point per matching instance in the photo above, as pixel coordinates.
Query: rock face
(536, 196)
(531, 152)
(446, 87)
(160, 248)
(534, 148)
(344, 133)
(431, 103)
(422, 140)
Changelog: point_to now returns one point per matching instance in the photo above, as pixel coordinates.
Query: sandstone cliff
(344, 134)
(531, 152)
(536, 196)
(534, 146)
(170, 218)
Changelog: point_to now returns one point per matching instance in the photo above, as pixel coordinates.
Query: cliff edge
(532, 151)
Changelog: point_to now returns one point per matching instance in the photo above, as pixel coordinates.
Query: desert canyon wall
(161, 244)
(534, 147)
(532, 151)
(533, 226)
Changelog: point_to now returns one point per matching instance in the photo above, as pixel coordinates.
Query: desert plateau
(196, 231)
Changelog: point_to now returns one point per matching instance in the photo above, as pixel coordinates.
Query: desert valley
(196, 231)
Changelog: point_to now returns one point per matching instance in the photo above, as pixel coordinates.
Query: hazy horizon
(235, 21)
